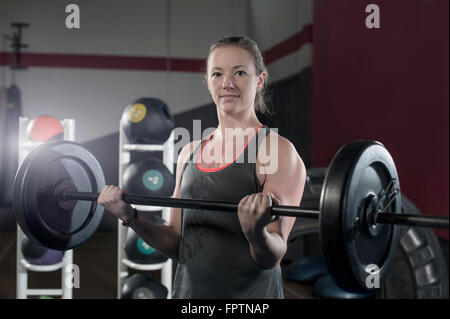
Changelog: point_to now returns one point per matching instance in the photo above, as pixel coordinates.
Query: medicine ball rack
(123, 263)
(22, 265)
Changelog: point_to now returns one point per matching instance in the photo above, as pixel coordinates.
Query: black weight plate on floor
(40, 214)
(315, 177)
(359, 170)
(419, 270)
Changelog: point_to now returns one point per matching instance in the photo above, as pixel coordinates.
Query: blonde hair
(262, 99)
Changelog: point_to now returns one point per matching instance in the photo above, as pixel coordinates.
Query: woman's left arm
(285, 176)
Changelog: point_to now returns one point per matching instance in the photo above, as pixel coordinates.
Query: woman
(223, 255)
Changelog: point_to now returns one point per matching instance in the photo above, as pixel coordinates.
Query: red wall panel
(388, 84)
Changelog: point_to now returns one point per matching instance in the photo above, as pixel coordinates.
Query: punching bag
(3, 152)
(10, 143)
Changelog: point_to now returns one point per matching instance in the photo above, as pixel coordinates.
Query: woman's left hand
(254, 213)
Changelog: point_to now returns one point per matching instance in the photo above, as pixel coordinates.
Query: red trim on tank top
(216, 169)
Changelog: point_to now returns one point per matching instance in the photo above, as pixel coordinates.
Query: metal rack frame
(22, 265)
(122, 262)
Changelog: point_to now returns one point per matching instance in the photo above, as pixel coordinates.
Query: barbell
(56, 189)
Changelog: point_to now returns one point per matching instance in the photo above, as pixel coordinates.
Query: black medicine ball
(147, 121)
(39, 255)
(139, 251)
(149, 177)
(143, 286)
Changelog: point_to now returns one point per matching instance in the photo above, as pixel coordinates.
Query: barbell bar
(292, 211)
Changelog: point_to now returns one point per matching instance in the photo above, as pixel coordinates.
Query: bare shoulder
(284, 145)
(285, 172)
(280, 151)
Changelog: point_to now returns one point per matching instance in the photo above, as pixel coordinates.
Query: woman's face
(232, 79)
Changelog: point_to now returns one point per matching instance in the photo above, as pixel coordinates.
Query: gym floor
(97, 260)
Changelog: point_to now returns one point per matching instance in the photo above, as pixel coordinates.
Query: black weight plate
(38, 210)
(359, 170)
(419, 270)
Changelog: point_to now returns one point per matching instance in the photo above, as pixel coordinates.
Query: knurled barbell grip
(293, 211)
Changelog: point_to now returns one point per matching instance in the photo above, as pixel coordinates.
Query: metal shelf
(146, 208)
(146, 267)
(29, 145)
(25, 146)
(143, 147)
(167, 149)
(42, 268)
(39, 292)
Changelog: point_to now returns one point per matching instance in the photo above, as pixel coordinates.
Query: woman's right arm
(164, 238)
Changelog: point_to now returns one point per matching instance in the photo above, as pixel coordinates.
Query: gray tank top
(214, 257)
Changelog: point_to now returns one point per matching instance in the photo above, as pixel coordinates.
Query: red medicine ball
(44, 128)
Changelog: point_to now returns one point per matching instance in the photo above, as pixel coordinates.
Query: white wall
(95, 98)
(272, 22)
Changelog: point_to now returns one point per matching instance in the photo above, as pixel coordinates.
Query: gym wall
(126, 50)
(284, 30)
(388, 84)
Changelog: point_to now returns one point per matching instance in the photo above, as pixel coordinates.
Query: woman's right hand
(111, 199)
